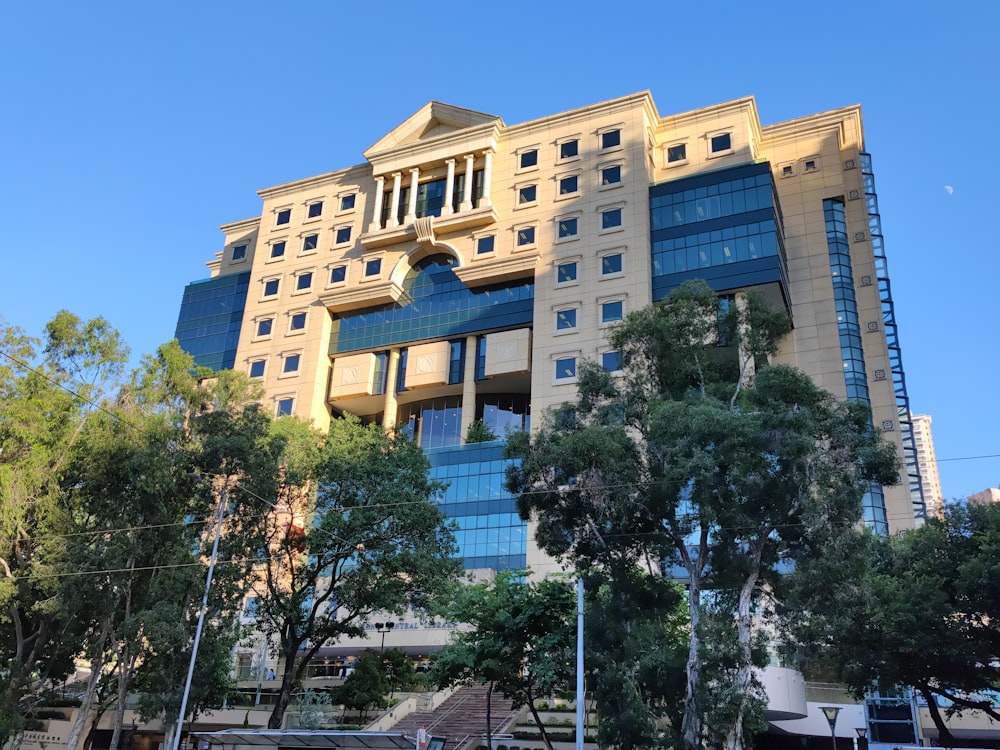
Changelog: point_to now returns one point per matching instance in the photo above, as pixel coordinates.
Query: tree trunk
(691, 724)
(76, 732)
(489, 717)
(945, 738)
(539, 724)
(285, 692)
(744, 673)
(168, 735)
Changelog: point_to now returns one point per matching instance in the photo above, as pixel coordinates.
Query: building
(927, 462)
(465, 267)
(989, 495)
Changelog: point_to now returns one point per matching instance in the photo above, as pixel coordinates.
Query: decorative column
(487, 176)
(466, 204)
(449, 188)
(390, 408)
(411, 205)
(469, 385)
(377, 214)
(394, 214)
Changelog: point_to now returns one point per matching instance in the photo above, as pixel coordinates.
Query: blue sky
(132, 130)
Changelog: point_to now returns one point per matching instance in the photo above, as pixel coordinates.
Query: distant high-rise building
(927, 462)
(989, 495)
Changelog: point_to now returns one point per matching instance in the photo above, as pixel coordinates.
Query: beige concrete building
(465, 267)
(923, 440)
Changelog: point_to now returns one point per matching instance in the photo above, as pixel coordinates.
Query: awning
(322, 739)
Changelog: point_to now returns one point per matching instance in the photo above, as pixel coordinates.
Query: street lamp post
(862, 743)
(383, 628)
(830, 712)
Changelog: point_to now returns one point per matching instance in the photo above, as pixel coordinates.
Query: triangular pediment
(433, 120)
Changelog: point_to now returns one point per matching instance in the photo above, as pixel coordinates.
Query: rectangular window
(568, 185)
(285, 406)
(239, 252)
(291, 363)
(271, 287)
(677, 153)
(310, 242)
(611, 175)
(284, 216)
(569, 149)
(611, 138)
(611, 218)
(264, 326)
(565, 368)
(611, 361)
(278, 249)
(529, 158)
(611, 264)
(526, 236)
(257, 368)
(611, 312)
(297, 322)
(338, 274)
(566, 272)
(566, 319)
(568, 227)
(315, 209)
(485, 244)
(527, 194)
(343, 235)
(723, 142)
(347, 202)
(304, 281)
(810, 165)
(373, 267)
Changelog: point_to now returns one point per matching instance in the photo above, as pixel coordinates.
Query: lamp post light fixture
(383, 628)
(861, 743)
(830, 712)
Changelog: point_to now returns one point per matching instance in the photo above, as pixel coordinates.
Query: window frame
(271, 257)
(668, 163)
(329, 278)
(561, 262)
(560, 178)
(262, 361)
(478, 239)
(292, 315)
(290, 399)
(519, 154)
(574, 217)
(605, 131)
(565, 141)
(303, 250)
(343, 196)
(533, 243)
(244, 246)
(565, 357)
(279, 212)
(710, 137)
(612, 252)
(338, 230)
(608, 209)
(310, 205)
(602, 168)
(574, 319)
(264, 281)
(620, 299)
(257, 323)
(519, 194)
(301, 274)
(365, 265)
(294, 355)
(602, 353)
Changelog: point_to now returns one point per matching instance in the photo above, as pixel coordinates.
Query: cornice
(833, 119)
(361, 170)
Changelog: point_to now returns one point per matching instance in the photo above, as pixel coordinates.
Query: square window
(239, 252)
(677, 153)
(529, 158)
(304, 281)
(264, 326)
(569, 149)
(611, 361)
(338, 274)
(285, 407)
(347, 202)
(566, 272)
(297, 322)
(310, 242)
(566, 319)
(526, 236)
(485, 244)
(611, 264)
(343, 235)
(257, 368)
(565, 368)
(373, 267)
(527, 194)
(291, 363)
(569, 185)
(568, 227)
(722, 142)
(810, 165)
(786, 170)
(278, 249)
(271, 287)
(315, 209)
(611, 138)
(611, 175)
(611, 312)
(611, 218)
(284, 216)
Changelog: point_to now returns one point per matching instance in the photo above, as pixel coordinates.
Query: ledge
(364, 295)
(486, 272)
(477, 217)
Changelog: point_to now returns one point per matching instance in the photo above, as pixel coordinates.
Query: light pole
(383, 628)
(830, 712)
(579, 664)
(862, 743)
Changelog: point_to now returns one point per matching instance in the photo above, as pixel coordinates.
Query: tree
(705, 457)
(521, 639)
(366, 686)
(925, 614)
(355, 532)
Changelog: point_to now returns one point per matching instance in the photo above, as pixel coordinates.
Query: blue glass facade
(892, 339)
(435, 305)
(490, 532)
(208, 327)
(724, 227)
(849, 328)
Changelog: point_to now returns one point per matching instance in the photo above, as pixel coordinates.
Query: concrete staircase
(462, 717)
